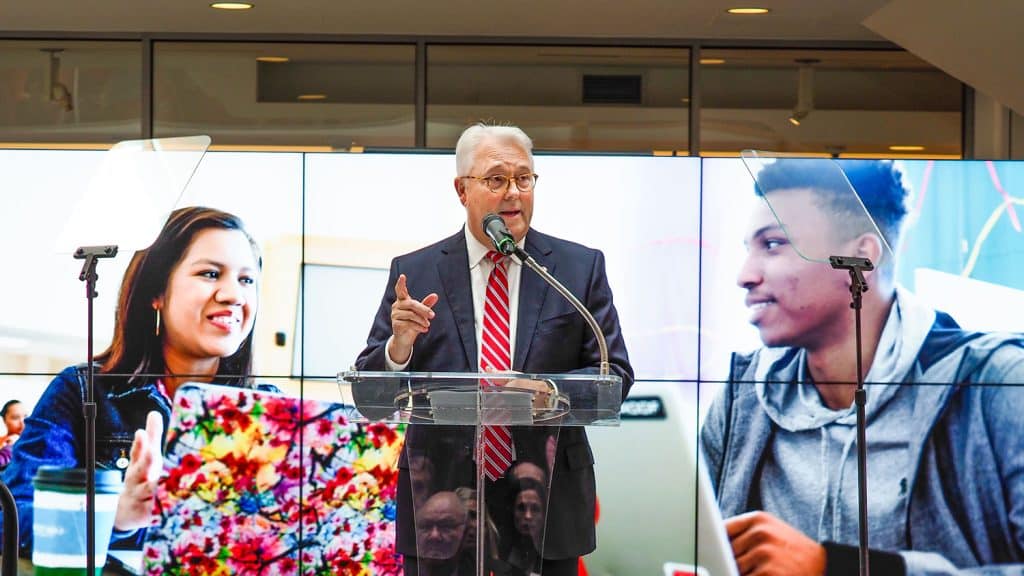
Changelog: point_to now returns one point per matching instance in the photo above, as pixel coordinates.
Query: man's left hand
(765, 545)
(541, 389)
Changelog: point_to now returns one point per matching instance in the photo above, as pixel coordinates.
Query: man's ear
(460, 189)
(869, 245)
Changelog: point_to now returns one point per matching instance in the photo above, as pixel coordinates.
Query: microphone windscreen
(495, 229)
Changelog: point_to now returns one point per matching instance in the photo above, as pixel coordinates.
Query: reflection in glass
(440, 527)
(455, 514)
(528, 512)
(566, 98)
(325, 95)
(827, 102)
(70, 91)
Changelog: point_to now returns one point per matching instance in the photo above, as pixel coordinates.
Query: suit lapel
(453, 268)
(532, 292)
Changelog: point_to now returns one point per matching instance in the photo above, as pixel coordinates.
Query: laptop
(262, 483)
(657, 510)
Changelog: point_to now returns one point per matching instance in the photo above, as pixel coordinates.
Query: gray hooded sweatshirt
(945, 462)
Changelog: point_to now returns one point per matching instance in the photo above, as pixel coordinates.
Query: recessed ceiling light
(312, 96)
(747, 11)
(231, 5)
(906, 148)
(274, 59)
(712, 61)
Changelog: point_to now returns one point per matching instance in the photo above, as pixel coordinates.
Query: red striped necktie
(495, 354)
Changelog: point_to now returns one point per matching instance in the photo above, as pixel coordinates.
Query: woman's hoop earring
(157, 330)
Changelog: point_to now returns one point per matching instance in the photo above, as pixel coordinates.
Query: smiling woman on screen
(185, 313)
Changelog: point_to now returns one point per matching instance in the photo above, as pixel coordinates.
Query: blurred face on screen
(794, 301)
(210, 303)
(494, 157)
(14, 419)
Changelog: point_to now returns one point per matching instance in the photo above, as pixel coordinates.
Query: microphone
(505, 243)
(496, 230)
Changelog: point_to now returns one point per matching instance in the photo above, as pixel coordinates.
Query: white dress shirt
(480, 267)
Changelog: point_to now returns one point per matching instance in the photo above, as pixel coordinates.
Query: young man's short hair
(878, 183)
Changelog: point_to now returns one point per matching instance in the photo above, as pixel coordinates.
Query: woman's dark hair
(136, 350)
(7, 406)
(517, 485)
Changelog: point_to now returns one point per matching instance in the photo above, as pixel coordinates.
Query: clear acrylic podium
(465, 523)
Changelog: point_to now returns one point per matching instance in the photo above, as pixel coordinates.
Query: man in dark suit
(432, 319)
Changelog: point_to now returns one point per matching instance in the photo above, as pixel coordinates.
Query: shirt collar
(478, 251)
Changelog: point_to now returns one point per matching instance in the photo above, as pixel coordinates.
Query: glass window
(844, 102)
(70, 91)
(564, 97)
(327, 95)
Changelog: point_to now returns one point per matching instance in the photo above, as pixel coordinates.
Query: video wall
(672, 230)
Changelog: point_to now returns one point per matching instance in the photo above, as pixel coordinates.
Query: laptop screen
(256, 482)
(657, 509)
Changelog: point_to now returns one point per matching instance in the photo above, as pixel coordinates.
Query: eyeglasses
(500, 182)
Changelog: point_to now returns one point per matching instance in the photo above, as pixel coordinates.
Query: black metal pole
(10, 549)
(90, 254)
(860, 399)
(858, 286)
(89, 413)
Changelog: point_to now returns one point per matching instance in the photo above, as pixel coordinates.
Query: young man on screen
(944, 427)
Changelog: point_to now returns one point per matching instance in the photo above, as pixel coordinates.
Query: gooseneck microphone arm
(598, 333)
(505, 243)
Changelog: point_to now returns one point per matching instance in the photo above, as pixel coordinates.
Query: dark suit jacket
(551, 337)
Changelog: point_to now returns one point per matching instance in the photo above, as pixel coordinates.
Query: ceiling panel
(826, 20)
